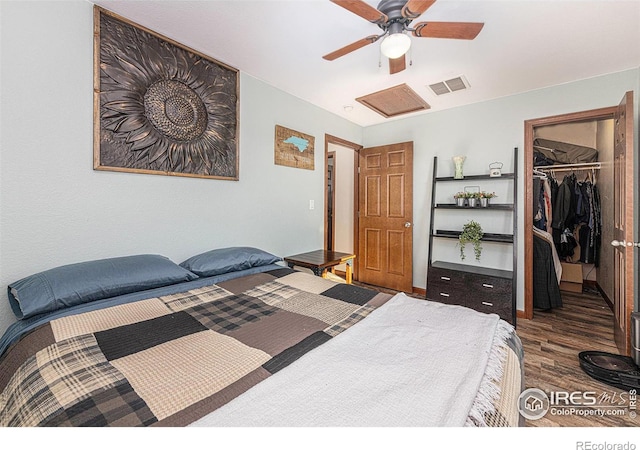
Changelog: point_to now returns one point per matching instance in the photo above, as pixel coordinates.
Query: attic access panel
(394, 101)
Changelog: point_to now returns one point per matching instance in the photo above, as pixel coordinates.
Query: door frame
(330, 223)
(529, 126)
(330, 139)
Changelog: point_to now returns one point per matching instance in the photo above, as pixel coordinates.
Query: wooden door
(385, 206)
(623, 223)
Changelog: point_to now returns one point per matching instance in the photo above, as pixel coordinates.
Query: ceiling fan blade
(397, 64)
(351, 47)
(448, 30)
(363, 10)
(415, 8)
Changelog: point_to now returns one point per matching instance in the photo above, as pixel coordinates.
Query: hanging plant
(471, 234)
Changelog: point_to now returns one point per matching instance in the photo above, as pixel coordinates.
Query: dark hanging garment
(539, 216)
(597, 217)
(583, 206)
(562, 205)
(570, 220)
(546, 291)
(588, 226)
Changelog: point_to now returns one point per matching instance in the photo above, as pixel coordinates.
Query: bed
(232, 337)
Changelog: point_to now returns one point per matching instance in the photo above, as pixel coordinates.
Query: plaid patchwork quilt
(170, 360)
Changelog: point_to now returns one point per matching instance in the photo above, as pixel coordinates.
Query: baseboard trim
(419, 291)
(604, 295)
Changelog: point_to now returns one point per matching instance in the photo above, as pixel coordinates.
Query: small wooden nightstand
(321, 260)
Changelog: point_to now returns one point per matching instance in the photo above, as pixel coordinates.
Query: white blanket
(409, 363)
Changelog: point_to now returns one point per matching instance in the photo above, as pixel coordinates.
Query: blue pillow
(225, 260)
(84, 282)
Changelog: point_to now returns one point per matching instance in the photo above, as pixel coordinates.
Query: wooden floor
(552, 341)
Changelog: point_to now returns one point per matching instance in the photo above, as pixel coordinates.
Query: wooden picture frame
(293, 148)
(160, 107)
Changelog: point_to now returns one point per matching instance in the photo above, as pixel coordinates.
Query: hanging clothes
(546, 289)
(546, 186)
(557, 265)
(542, 206)
(571, 212)
(539, 216)
(565, 204)
(590, 223)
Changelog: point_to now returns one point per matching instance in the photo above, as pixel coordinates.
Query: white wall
(55, 209)
(487, 132)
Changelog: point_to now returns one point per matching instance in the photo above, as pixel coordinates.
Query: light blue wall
(487, 132)
(55, 209)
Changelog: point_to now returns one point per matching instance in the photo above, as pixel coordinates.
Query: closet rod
(568, 167)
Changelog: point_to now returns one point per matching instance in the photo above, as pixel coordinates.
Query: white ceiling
(524, 45)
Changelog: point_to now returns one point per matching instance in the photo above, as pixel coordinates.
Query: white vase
(458, 161)
(472, 202)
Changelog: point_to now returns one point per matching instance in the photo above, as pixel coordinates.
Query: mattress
(199, 352)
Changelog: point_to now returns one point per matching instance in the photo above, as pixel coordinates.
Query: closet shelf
(476, 177)
(489, 237)
(494, 206)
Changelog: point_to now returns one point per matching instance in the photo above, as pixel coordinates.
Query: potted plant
(460, 198)
(485, 197)
(471, 234)
(472, 198)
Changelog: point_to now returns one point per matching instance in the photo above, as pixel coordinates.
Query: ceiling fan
(394, 17)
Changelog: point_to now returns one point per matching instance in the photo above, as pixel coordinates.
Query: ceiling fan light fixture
(395, 45)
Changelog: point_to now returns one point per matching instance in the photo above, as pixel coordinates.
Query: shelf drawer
(445, 286)
(441, 294)
(489, 287)
(486, 293)
(500, 306)
(446, 277)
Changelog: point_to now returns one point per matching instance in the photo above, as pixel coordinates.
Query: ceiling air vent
(452, 85)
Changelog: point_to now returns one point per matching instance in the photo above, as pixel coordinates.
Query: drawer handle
(487, 304)
(490, 286)
(444, 294)
(445, 278)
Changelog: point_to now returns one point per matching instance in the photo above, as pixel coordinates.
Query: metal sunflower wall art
(160, 107)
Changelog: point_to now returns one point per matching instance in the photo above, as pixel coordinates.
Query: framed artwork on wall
(160, 107)
(293, 148)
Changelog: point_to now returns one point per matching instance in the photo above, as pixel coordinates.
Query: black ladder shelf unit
(484, 289)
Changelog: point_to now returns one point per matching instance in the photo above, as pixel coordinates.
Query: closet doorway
(341, 197)
(615, 278)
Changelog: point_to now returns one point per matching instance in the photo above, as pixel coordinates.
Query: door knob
(407, 224)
